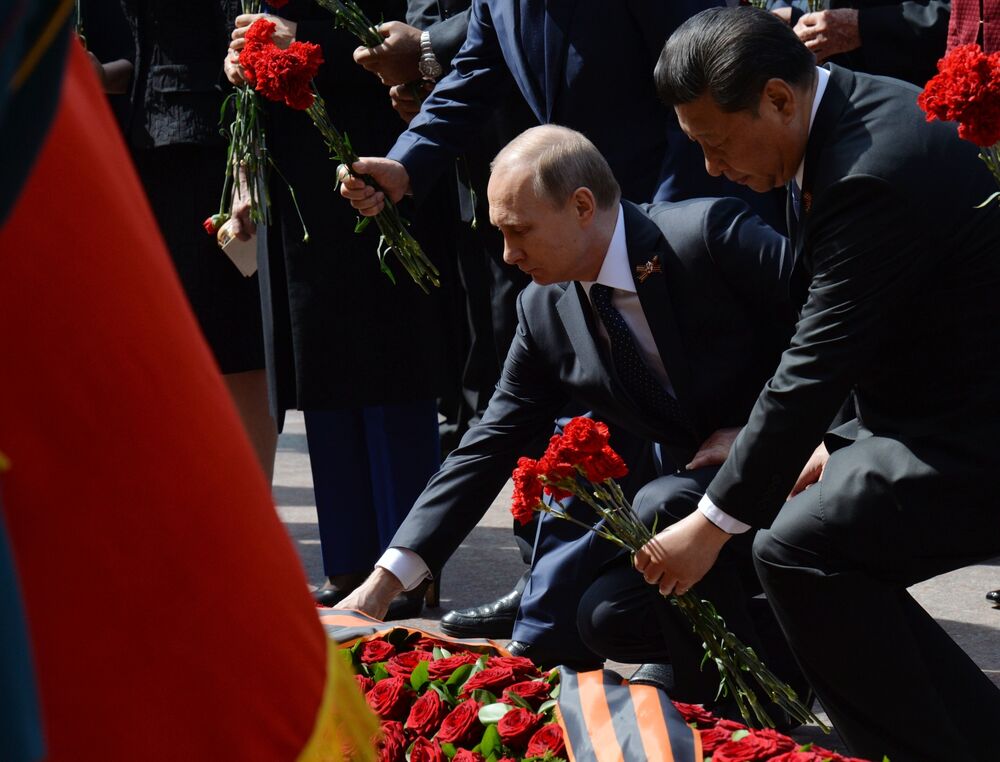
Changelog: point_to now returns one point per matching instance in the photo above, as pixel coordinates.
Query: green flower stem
(395, 237)
(732, 658)
(348, 15)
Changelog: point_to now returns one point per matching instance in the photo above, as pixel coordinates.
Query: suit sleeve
(448, 123)
(904, 40)
(865, 255)
(518, 421)
(755, 260)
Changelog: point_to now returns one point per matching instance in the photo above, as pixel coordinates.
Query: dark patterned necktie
(635, 375)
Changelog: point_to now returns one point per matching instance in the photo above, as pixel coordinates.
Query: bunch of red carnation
(966, 90)
(728, 741)
(582, 450)
(280, 75)
(438, 701)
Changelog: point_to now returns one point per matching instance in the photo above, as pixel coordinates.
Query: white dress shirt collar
(616, 271)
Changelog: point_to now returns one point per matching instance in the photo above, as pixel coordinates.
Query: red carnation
(376, 650)
(966, 90)
(280, 75)
(259, 33)
(426, 714)
(464, 755)
(532, 691)
(490, 679)
(426, 751)
(606, 464)
(404, 664)
(389, 699)
(713, 738)
(696, 713)
(548, 738)
(459, 723)
(527, 490)
(521, 665)
(391, 747)
(583, 436)
(442, 669)
(517, 725)
(364, 683)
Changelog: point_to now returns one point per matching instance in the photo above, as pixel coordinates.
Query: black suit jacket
(897, 272)
(719, 314)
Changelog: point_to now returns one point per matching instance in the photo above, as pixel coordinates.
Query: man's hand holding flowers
(283, 35)
(679, 556)
(395, 60)
(391, 176)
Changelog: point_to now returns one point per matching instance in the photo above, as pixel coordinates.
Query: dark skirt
(183, 184)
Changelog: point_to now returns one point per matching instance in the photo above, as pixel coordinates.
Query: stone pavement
(488, 564)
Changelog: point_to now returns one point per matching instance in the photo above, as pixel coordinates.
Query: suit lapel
(645, 241)
(507, 22)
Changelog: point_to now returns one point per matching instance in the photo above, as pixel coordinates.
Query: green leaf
(437, 653)
(441, 690)
(517, 700)
(445, 653)
(491, 713)
(740, 734)
(483, 696)
(449, 750)
(419, 677)
(379, 672)
(490, 742)
(547, 706)
(554, 693)
(459, 676)
(361, 224)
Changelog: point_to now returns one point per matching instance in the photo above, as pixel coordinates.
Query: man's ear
(584, 204)
(780, 98)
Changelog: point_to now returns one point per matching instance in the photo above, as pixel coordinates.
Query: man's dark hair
(731, 53)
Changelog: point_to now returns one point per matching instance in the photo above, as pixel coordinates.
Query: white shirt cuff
(720, 518)
(405, 565)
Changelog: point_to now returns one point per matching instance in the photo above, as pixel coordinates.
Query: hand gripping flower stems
(580, 463)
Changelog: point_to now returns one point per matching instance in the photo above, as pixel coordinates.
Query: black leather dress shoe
(993, 596)
(491, 620)
(546, 660)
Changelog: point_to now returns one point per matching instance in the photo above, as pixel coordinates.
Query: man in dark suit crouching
(664, 320)
(896, 273)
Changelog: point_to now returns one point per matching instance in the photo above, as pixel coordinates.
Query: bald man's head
(560, 161)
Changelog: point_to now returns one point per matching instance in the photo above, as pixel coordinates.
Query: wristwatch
(428, 65)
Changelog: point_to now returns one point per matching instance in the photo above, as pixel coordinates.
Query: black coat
(718, 312)
(897, 273)
(338, 334)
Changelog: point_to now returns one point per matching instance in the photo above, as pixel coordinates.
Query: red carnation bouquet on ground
(580, 463)
(438, 701)
(727, 741)
(285, 76)
(966, 90)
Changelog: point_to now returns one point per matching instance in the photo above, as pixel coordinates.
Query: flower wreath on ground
(439, 700)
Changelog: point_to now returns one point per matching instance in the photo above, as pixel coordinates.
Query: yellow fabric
(345, 726)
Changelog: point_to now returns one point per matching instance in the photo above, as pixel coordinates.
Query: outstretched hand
(715, 449)
(391, 176)
(679, 556)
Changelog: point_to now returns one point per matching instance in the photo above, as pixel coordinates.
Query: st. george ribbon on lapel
(807, 201)
(644, 271)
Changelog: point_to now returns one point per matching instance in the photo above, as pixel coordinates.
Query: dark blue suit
(589, 67)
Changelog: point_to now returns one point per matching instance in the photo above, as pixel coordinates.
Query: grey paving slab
(488, 564)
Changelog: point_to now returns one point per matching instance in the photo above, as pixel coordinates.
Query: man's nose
(511, 254)
(714, 165)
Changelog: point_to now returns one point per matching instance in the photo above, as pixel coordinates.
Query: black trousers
(836, 563)
(622, 617)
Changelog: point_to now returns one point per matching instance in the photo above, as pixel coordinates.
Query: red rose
(527, 490)
(583, 436)
(464, 755)
(209, 226)
(748, 749)
(532, 691)
(404, 664)
(782, 743)
(389, 699)
(713, 738)
(457, 726)
(429, 644)
(364, 683)
(799, 756)
(391, 747)
(490, 679)
(426, 714)
(506, 759)
(731, 725)
(520, 665)
(426, 751)
(441, 669)
(517, 725)
(607, 464)
(376, 650)
(697, 714)
(547, 738)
